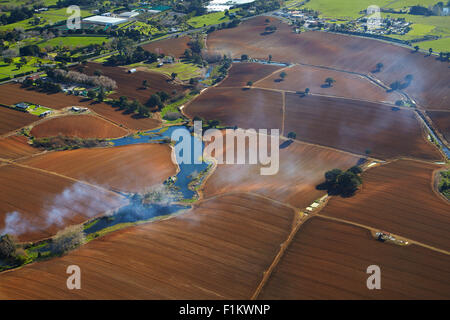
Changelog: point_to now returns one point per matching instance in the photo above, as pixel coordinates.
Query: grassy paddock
(209, 19)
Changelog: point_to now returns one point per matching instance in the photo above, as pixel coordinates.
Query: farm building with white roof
(104, 21)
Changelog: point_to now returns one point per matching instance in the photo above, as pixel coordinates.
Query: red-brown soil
(398, 198)
(241, 73)
(170, 47)
(328, 260)
(357, 126)
(219, 250)
(301, 169)
(130, 84)
(81, 126)
(347, 85)
(15, 147)
(441, 121)
(430, 76)
(43, 203)
(131, 168)
(252, 108)
(11, 120)
(14, 93)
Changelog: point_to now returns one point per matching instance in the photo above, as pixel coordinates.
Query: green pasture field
(402, 4)
(347, 9)
(51, 16)
(184, 70)
(440, 45)
(37, 111)
(10, 70)
(209, 19)
(76, 41)
(422, 26)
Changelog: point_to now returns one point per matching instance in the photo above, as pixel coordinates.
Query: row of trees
(133, 106)
(45, 86)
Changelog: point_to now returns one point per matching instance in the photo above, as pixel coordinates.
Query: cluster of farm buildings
(112, 19)
(363, 24)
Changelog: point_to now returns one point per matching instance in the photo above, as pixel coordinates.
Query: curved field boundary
(53, 202)
(399, 197)
(132, 168)
(81, 126)
(340, 52)
(218, 250)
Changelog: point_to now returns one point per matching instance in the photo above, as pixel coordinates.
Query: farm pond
(172, 197)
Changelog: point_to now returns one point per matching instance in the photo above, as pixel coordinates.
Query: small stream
(433, 134)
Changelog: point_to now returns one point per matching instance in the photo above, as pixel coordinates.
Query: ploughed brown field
(241, 73)
(398, 198)
(219, 250)
(254, 108)
(130, 84)
(328, 260)
(14, 93)
(430, 76)
(301, 169)
(11, 120)
(120, 117)
(357, 126)
(347, 85)
(35, 204)
(14, 147)
(441, 121)
(81, 126)
(170, 47)
(132, 168)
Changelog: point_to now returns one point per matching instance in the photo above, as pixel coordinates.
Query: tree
(283, 75)
(244, 57)
(250, 83)
(163, 95)
(143, 111)
(355, 170)
(154, 101)
(174, 75)
(8, 60)
(101, 95)
(7, 247)
(306, 91)
(379, 66)
(31, 50)
(329, 81)
(91, 94)
(332, 175)
(145, 84)
(270, 57)
(292, 135)
(416, 48)
(395, 85)
(408, 78)
(344, 183)
(430, 51)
